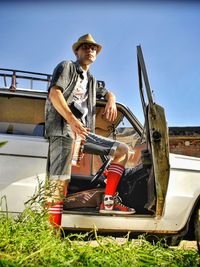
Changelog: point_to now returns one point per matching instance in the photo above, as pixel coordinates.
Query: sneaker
(107, 204)
(113, 205)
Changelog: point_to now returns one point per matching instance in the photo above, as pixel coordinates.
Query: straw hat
(86, 39)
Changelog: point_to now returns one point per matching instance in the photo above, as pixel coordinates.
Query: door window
(21, 115)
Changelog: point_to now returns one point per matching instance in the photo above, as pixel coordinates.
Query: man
(70, 111)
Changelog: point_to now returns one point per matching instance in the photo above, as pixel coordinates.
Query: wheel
(197, 227)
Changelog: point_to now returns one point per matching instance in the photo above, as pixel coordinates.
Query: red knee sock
(55, 211)
(115, 172)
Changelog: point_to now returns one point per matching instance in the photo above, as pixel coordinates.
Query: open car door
(156, 133)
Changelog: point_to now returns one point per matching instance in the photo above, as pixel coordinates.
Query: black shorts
(98, 145)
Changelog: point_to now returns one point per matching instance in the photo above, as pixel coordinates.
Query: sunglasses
(89, 46)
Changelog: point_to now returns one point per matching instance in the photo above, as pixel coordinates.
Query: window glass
(21, 115)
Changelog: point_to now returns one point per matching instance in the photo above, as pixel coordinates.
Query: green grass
(29, 240)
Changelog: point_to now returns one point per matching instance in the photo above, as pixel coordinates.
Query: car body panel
(160, 152)
(178, 206)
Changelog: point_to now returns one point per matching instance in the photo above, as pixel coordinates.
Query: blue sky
(36, 36)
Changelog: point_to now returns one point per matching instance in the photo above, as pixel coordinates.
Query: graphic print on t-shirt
(80, 96)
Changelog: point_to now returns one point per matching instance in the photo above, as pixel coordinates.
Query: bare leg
(56, 190)
(121, 155)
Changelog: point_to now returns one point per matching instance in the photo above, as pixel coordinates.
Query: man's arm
(63, 109)
(110, 109)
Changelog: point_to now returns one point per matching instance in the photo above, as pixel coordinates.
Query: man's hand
(110, 109)
(77, 127)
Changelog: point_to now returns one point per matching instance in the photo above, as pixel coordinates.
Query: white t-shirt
(81, 95)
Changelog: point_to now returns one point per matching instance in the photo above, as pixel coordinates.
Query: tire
(197, 227)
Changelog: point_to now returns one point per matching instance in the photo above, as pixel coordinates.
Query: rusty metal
(4, 78)
(31, 83)
(15, 75)
(27, 72)
(143, 73)
(25, 77)
(13, 83)
(156, 135)
(49, 80)
(159, 232)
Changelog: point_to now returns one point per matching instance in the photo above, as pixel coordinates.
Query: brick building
(185, 140)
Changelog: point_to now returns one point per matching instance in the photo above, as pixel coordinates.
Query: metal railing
(15, 75)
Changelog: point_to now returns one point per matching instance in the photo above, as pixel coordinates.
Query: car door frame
(156, 133)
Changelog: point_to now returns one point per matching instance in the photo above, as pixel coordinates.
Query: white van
(166, 197)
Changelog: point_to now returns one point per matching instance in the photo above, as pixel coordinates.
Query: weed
(29, 240)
